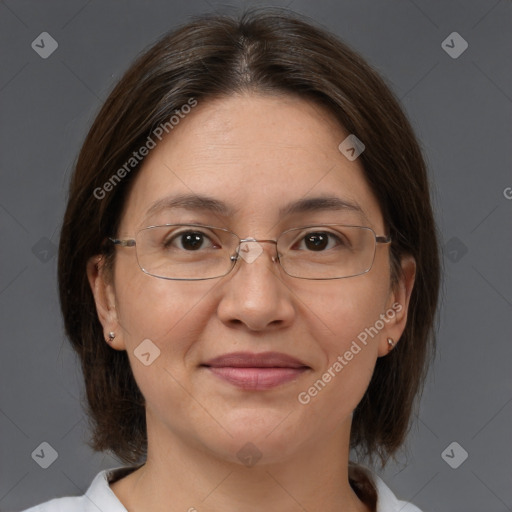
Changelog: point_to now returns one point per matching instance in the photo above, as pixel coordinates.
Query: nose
(254, 294)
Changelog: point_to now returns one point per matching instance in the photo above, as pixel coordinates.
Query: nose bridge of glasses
(242, 240)
(249, 248)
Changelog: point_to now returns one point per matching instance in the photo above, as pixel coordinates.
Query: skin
(256, 153)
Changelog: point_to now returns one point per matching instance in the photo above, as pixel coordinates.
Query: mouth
(256, 372)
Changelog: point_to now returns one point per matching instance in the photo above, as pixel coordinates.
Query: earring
(391, 344)
(111, 336)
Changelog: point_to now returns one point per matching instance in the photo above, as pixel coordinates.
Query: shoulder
(372, 490)
(387, 501)
(99, 496)
(70, 504)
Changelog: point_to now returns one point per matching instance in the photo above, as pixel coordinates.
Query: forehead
(255, 154)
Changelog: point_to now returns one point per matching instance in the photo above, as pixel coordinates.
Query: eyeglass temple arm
(123, 243)
(383, 239)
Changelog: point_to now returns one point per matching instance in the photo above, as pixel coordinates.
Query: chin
(259, 436)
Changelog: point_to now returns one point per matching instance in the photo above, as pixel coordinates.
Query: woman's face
(256, 155)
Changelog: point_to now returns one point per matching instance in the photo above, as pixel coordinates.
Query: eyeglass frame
(132, 242)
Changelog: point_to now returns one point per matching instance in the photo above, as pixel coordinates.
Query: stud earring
(111, 336)
(391, 344)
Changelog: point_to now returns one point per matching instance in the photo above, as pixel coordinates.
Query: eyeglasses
(190, 252)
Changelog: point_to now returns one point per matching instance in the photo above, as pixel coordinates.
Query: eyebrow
(190, 202)
(196, 202)
(321, 203)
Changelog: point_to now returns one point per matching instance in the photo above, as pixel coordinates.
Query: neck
(183, 477)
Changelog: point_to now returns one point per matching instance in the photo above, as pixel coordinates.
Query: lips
(249, 360)
(250, 371)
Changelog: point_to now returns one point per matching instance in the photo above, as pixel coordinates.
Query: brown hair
(269, 51)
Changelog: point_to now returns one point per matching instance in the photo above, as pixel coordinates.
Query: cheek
(344, 319)
(340, 310)
(172, 315)
(161, 309)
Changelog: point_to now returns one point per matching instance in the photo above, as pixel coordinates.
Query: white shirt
(100, 496)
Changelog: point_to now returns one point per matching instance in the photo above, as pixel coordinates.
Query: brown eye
(189, 241)
(319, 241)
(192, 241)
(316, 241)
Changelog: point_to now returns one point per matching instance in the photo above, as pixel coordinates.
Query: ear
(104, 297)
(398, 305)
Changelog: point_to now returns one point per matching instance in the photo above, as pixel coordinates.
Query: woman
(249, 273)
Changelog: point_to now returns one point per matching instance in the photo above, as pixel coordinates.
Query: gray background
(461, 109)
